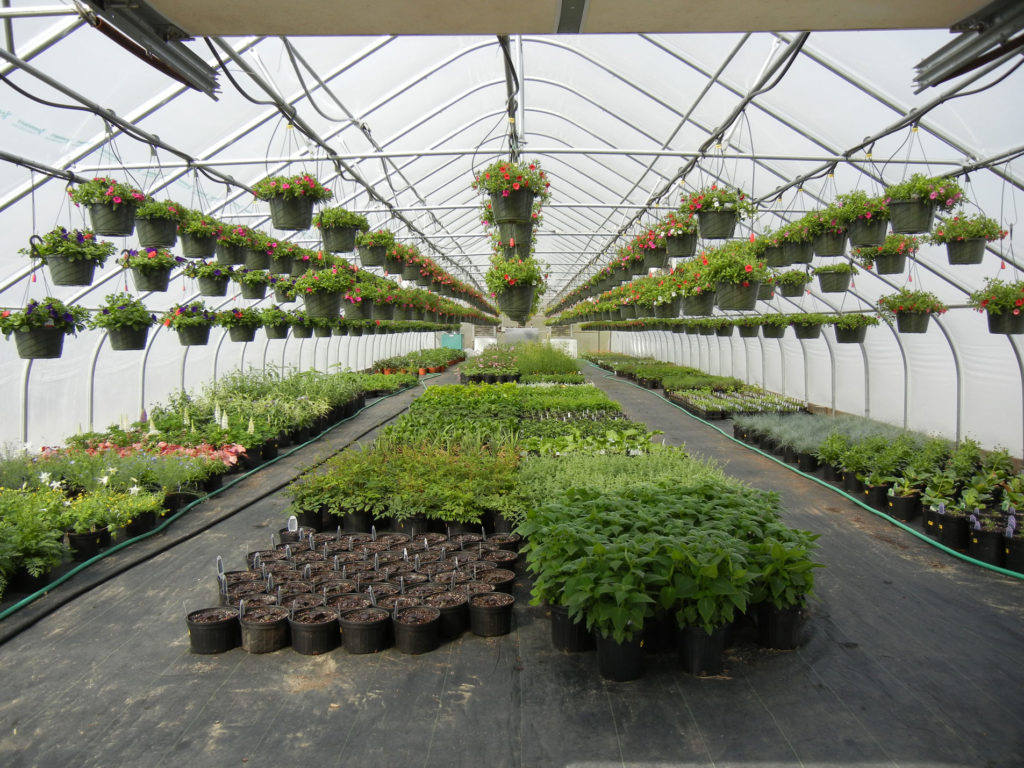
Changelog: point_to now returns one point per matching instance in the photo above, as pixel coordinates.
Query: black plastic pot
(213, 630)
(417, 629)
(315, 631)
(619, 662)
(490, 614)
(567, 635)
(986, 546)
(357, 522)
(454, 609)
(265, 629)
(699, 652)
(84, 545)
(365, 630)
(1013, 553)
(905, 508)
(953, 531)
(780, 628)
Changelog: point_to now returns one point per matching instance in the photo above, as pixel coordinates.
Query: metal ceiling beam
(36, 11)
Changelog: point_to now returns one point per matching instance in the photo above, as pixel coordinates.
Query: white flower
(105, 479)
(44, 477)
(134, 490)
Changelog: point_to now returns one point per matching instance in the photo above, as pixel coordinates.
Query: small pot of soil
(567, 635)
(426, 588)
(503, 580)
(477, 568)
(700, 653)
(509, 541)
(264, 556)
(394, 540)
(437, 568)
(454, 610)
(213, 630)
(490, 613)
(234, 577)
(365, 630)
(315, 631)
(464, 539)
(242, 591)
(417, 629)
(619, 662)
(264, 629)
(504, 558)
(379, 588)
(301, 601)
(348, 602)
(292, 537)
(473, 588)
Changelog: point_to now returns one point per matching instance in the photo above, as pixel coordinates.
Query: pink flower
(116, 199)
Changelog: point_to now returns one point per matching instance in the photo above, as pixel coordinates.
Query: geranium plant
(338, 218)
(73, 245)
(510, 273)
(103, 190)
(998, 297)
(191, 315)
(910, 301)
(300, 186)
(735, 264)
(149, 259)
(978, 227)
(719, 198)
(693, 278)
(47, 313)
(122, 310)
(942, 191)
(503, 177)
(894, 245)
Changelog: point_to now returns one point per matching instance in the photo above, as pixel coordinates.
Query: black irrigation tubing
(29, 599)
(826, 484)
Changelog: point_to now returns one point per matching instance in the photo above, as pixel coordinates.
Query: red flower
(748, 268)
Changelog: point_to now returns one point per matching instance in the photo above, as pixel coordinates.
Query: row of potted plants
(540, 362)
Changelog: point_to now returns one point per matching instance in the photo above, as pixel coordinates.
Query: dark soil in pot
(302, 601)
(503, 580)
(427, 588)
(509, 541)
(503, 557)
(365, 630)
(315, 631)
(490, 614)
(349, 602)
(213, 630)
(454, 608)
(417, 629)
(265, 629)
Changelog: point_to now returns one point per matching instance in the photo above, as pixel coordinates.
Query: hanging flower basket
(852, 335)
(798, 253)
(372, 255)
(773, 331)
(67, 271)
(213, 286)
(242, 332)
(737, 297)
(829, 243)
(410, 270)
(277, 332)
(766, 292)
(340, 239)
(806, 331)
(382, 310)
(519, 231)
(109, 220)
(748, 331)
(669, 309)
(151, 279)
(725, 329)
(655, 258)
(193, 247)
(516, 301)
(911, 217)
(424, 281)
(866, 233)
(291, 213)
(966, 251)
(355, 310)
(194, 335)
(775, 256)
(717, 225)
(681, 246)
(834, 282)
(254, 291)
(791, 290)
(39, 343)
(125, 338)
(890, 263)
(1005, 322)
(393, 263)
(254, 258)
(322, 304)
(229, 253)
(699, 304)
(514, 207)
(300, 331)
(157, 233)
(912, 322)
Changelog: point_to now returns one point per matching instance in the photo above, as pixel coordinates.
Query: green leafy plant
(858, 204)
(839, 268)
(150, 259)
(793, 277)
(807, 318)
(188, 316)
(503, 177)
(253, 277)
(894, 245)
(997, 297)
(197, 224)
(853, 320)
(274, 316)
(103, 190)
(331, 280)
(291, 187)
(239, 317)
(910, 301)
(950, 229)
(196, 269)
(122, 310)
(382, 238)
(74, 245)
(943, 191)
(719, 198)
(338, 218)
(160, 209)
(510, 273)
(47, 313)
(735, 264)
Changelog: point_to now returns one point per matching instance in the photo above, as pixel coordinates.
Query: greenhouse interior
(580, 383)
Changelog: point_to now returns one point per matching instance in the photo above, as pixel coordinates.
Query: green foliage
(906, 300)
(291, 187)
(719, 198)
(188, 316)
(160, 209)
(49, 312)
(122, 310)
(859, 205)
(104, 190)
(380, 238)
(340, 218)
(943, 191)
(950, 229)
(997, 297)
(503, 177)
(150, 259)
(74, 245)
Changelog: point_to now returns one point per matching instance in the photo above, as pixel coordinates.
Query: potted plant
(515, 190)
(192, 323)
(679, 228)
(737, 275)
(516, 284)
(40, 328)
(291, 199)
(151, 267)
(784, 582)
(257, 249)
(828, 231)
(71, 255)
(890, 257)
(241, 323)
(373, 246)
(718, 208)
(796, 240)
(157, 223)
(912, 309)
(301, 323)
(852, 328)
(912, 202)
(965, 237)
(322, 290)
(773, 326)
(1003, 304)
(253, 282)
(865, 217)
(275, 322)
(339, 228)
(807, 325)
(198, 234)
(111, 204)
(126, 321)
(793, 282)
(231, 244)
(212, 277)
(835, 278)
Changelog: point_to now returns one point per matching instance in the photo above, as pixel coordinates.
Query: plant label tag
(220, 566)
(293, 524)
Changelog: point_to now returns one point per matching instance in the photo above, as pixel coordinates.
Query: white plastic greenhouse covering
(613, 119)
